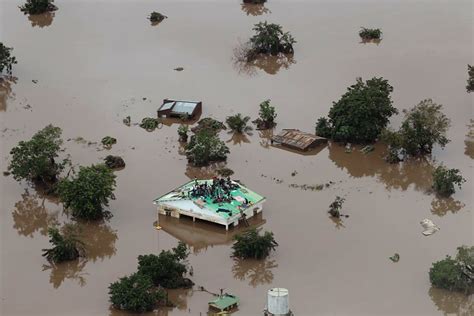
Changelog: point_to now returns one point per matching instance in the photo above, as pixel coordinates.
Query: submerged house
(175, 108)
(296, 139)
(225, 204)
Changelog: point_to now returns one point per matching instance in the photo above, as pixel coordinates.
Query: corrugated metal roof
(296, 138)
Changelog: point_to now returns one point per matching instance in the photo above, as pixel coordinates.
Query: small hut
(225, 302)
(180, 109)
(296, 139)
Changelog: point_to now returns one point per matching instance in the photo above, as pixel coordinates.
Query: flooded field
(90, 64)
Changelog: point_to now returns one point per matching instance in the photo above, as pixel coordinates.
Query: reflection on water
(5, 91)
(30, 215)
(441, 206)
(338, 223)
(66, 270)
(452, 303)
(199, 235)
(206, 172)
(416, 172)
(179, 297)
(238, 139)
(254, 9)
(268, 63)
(469, 142)
(99, 243)
(41, 20)
(257, 272)
(265, 137)
(369, 41)
(99, 239)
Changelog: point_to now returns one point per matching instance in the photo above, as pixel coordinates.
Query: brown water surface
(97, 61)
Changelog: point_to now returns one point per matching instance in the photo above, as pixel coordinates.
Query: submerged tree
(38, 6)
(114, 162)
(470, 80)
(6, 59)
(455, 274)
(361, 113)
(238, 123)
(66, 246)
(205, 147)
(168, 268)
(255, 1)
(89, 192)
(251, 244)
(35, 159)
(108, 142)
(423, 127)
(209, 124)
(267, 116)
(445, 179)
(370, 34)
(135, 293)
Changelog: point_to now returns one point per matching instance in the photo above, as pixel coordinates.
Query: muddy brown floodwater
(91, 63)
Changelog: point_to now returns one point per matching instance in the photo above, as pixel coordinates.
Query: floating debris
(429, 226)
(348, 148)
(6, 173)
(336, 206)
(127, 121)
(367, 149)
(294, 173)
(34, 81)
(395, 257)
(179, 69)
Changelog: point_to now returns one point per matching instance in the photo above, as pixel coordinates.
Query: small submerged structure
(218, 200)
(224, 303)
(296, 139)
(180, 109)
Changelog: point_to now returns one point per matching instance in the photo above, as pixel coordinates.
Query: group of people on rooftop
(219, 190)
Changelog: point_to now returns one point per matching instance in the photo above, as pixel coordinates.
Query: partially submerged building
(296, 139)
(240, 203)
(179, 109)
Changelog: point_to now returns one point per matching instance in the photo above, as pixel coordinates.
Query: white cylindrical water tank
(278, 301)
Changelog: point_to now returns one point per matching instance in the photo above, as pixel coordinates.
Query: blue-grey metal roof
(184, 107)
(167, 105)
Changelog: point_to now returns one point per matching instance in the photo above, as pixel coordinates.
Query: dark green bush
(361, 113)
(89, 192)
(445, 179)
(238, 123)
(267, 116)
(455, 274)
(66, 246)
(370, 34)
(470, 80)
(167, 269)
(35, 160)
(149, 123)
(6, 59)
(209, 124)
(323, 128)
(205, 147)
(114, 162)
(38, 6)
(253, 245)
(156, 17)
(335, 207)
(135, 293)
